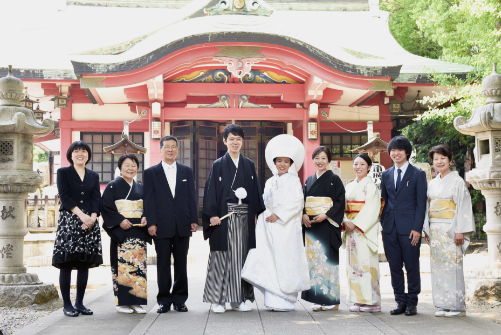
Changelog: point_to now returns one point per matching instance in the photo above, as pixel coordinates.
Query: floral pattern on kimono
(132, 266)
(324, 276)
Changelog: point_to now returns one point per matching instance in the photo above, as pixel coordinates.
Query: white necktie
(172, 178)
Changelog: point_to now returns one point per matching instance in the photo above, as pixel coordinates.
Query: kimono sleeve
(337, 194)
(293, 205)
(109, 211)
(463, 220)
(367, 218)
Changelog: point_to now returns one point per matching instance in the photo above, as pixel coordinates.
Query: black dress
(73, 245)
(323, 239)
(127, 247)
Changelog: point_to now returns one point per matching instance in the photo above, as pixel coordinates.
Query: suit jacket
(406, 207)
(171, 214)
(74, 192)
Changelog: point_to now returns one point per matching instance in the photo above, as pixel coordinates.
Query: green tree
(40, 155)
(458, 31)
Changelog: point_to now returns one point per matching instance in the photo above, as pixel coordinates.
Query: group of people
(284, 241)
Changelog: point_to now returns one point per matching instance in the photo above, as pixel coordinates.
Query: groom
(171, 208)
(403, 188)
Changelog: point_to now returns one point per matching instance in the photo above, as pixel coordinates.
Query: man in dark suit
(403, 188)
(170, 207)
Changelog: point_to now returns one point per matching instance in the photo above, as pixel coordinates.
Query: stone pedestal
(18, 126)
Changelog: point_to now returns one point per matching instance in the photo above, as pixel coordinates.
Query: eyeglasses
(166, 147)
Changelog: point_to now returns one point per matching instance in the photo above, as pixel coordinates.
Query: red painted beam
(177, 92)
(96, 96)
(271, 114)
(331, 96)
(139, 126)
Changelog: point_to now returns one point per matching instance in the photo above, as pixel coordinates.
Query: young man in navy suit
(170, 207)
(403, 188)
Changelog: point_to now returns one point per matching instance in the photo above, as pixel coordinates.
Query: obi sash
(442, 209)
(130, 209)
(319, 205)
(353, 208)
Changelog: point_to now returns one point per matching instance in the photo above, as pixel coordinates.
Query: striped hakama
(224, 282)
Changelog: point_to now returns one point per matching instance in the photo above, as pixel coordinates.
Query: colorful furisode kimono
(323, 195)
(127, 247)
(449, 211)
(363, 204)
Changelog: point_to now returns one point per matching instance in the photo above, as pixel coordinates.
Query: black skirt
(73, 246)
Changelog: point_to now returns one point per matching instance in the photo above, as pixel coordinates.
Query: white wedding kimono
(448, 212)
(278, 265)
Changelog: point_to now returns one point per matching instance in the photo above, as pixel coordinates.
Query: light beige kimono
(363, 203)
(449, 211)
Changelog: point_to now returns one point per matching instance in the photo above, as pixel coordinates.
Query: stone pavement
(201, 320)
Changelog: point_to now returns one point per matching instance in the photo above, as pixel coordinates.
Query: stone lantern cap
(488, 116)
(11, 90)
(491, 87)
(16, 119)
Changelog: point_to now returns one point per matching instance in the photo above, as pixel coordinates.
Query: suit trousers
(399, 251)
(177, 246)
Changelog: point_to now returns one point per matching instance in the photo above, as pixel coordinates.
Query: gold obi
(442, 209)
(317, 205)
(353, 208)
(130, 209)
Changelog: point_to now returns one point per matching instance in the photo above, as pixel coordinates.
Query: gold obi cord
(353, 208)
(442, 209)
(130, 209)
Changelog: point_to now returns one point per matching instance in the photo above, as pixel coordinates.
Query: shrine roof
(375, 143)
(100, 42)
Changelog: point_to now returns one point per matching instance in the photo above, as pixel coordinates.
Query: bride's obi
(442, 209)
(319, 205)
(130, 209)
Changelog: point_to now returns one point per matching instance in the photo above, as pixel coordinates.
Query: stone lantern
(17, 178)
(485, 125)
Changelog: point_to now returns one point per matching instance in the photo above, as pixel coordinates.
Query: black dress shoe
(72, 313)
(401, 307)
(84, 311)
(163, 308)
(411, 310)
(181, 308)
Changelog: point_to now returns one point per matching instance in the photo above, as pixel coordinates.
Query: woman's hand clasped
(459, 239)
(349, 226)
(87, 221)
(126, 225)
(319, 218)
(143, 222)
(306, 221)
(272, 218)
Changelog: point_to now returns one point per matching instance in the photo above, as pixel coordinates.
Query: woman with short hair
(324, 196)
(361, 230)
(78, 238)
(124, 221)
(448, 225)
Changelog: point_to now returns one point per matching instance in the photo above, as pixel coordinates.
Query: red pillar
(385, 134)
(309, 145)
(154, 152)
(66, 114)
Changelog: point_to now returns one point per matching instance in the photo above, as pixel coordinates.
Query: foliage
(458, 31)
(40, 155)
(404, 27)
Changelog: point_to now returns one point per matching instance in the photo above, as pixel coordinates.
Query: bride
(278, 265)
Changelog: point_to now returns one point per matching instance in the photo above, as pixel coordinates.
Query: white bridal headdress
(285, 146)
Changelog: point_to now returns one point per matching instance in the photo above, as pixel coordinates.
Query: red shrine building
(319, 71)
